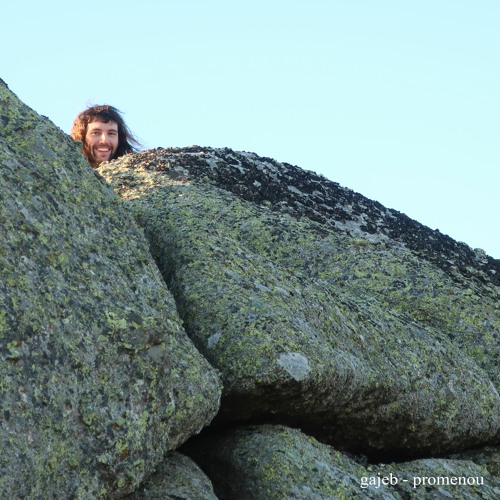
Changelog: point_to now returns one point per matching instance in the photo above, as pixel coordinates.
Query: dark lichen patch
(90, 334)
(351, 335)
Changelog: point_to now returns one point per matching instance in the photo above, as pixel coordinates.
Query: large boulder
(97, 377)
(336, 326)
(274, 462)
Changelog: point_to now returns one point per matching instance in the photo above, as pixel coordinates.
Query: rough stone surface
(488, 456)
(276, 462)
(177, 477)
(348, 333)
(271, 462)
(97, 377)
(301, 193)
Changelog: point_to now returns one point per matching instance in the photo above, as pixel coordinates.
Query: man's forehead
(110, 125)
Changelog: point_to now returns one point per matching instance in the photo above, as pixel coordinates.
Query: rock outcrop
(220, 303)
(353, 337)
(97, 377)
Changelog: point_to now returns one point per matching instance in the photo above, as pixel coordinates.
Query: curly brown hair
(105, 113)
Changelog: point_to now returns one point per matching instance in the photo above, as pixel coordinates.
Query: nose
(103, 137)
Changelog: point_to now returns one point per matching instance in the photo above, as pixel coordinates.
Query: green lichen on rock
(91, 341)
(277, 462)
(353, 336)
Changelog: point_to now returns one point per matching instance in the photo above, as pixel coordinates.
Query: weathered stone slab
(353, 337)
(97, 377)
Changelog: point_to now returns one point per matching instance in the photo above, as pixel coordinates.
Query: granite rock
(97, 376)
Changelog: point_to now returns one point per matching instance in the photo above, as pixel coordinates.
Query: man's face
(102, 140)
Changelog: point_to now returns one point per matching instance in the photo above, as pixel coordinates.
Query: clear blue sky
(397, 100)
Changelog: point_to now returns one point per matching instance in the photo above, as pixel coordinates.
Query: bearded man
(103, 133)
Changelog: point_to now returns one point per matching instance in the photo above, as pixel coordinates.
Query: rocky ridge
(290, 189)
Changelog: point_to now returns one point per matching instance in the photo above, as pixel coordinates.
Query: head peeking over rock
(104, 134)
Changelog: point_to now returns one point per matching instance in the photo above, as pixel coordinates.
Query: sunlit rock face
(321, 308)
(97, 377)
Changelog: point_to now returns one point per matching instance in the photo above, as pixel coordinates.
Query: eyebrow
(98, 129)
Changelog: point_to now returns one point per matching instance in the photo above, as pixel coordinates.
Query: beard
(100, 156)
